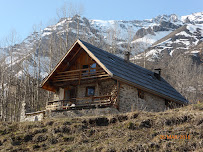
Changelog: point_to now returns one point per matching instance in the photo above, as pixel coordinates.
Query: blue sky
(22, 15)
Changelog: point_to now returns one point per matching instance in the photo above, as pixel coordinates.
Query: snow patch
(195, 17)
(19, 74)
(193, 28)
(153, 53)
(43, 74)
(184, 33)
(46, 33)
(171, 53)
(150, 39)
(194, 52)
(191, 89)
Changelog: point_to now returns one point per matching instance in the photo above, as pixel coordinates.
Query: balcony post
(79, 76)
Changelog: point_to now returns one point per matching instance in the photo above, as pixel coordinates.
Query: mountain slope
(114, 35)
(184, 39)
(107, 30)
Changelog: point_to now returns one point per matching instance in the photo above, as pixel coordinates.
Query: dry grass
(135, 131)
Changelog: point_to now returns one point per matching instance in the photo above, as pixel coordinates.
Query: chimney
(157, 73)
(127, 56)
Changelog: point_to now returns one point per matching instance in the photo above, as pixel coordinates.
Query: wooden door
(73, 93)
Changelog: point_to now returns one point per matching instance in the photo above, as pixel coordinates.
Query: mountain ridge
(115, 36)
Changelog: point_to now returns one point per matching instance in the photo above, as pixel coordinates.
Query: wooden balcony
(81, 103)
(81, 74)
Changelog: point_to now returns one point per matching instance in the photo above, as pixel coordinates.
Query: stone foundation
(35, 116)
(84, 112)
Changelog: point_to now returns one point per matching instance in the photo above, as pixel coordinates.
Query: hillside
(135, 131)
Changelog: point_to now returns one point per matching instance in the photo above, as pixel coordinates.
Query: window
(85, 73)
(85, 66)
(93, 65)
(90, 91)
(93, 71)
(140, 93)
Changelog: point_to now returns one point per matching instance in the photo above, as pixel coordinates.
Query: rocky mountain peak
(166, 18)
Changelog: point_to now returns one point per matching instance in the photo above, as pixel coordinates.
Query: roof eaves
(61, 60)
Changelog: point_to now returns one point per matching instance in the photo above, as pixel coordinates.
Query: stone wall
(106, 87)
(37, 116)
(81, 89)
(129, 100)
(61, 94)
(84, 112)
(154, 103)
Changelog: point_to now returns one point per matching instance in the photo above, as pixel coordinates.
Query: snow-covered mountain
(164, 33)
(195, 18)
(135, 32)
(188, 38)
(185, 39)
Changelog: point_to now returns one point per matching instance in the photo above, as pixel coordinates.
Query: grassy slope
(136, 131)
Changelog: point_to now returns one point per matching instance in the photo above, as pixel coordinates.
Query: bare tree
(112, 37)
(67, 12)
(129, 39)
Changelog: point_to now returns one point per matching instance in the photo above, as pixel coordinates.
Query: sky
(23, 16)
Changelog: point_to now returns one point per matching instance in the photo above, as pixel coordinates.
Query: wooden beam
(81, 78)
(75, 82)
(97, 69)
(78, 76)
(75, 54)
(71, 59)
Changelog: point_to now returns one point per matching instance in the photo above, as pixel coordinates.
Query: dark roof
(135, 75)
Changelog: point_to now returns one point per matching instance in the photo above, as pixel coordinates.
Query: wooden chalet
(89, 77)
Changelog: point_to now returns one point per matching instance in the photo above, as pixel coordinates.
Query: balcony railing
(81, 103)
(80, 74)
